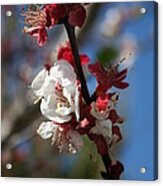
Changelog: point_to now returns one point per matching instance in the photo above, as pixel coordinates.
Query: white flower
(59, 91)
(103, 127)
(66, 140)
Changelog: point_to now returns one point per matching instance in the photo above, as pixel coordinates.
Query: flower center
(62, 101)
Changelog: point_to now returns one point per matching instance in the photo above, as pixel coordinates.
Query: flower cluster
(40, 19)
(63, 94)
(68, 115)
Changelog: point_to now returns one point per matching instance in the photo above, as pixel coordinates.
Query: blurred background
(111, 30)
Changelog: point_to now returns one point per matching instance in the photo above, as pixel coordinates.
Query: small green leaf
(106, 56)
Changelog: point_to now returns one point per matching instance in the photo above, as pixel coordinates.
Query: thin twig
(72, 38)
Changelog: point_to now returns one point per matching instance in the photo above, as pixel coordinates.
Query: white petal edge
(46, 129)
(38, 82)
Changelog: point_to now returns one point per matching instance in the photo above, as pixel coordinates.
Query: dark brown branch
(106, 160)
(93, 97)
(79, 70)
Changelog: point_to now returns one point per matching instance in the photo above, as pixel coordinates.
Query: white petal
(67, 95)
(68, 80)
(77, 102)
(63, 72)
(48, 108)
(54, 73)
(38, 82)
(46, 129)
(72, 94)
(49, 87)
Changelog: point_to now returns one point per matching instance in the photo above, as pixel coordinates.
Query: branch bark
(71, 34)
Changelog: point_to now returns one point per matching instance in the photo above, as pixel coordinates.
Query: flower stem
(71, 34)
(107, 162)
